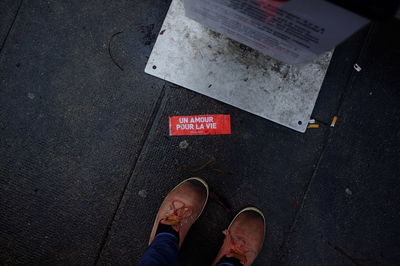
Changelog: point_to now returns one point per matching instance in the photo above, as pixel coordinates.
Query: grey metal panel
(190, 55)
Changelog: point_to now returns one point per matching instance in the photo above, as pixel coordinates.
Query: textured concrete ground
(85, 156)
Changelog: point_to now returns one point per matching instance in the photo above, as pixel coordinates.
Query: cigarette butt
(334, 120)
(312, 121)
(313, 126)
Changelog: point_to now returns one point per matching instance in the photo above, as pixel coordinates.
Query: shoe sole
(152, 234)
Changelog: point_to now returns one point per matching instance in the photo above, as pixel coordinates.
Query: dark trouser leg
(163, 251)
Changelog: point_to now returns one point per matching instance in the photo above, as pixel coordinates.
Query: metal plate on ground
(190, 55)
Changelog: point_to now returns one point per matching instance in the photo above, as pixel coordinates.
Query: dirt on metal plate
(190, 55)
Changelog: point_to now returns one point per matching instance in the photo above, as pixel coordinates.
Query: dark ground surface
(85, 156)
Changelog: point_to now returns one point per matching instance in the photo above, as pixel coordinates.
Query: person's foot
(244, 237)
(181, 208)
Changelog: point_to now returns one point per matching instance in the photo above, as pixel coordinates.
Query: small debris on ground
(31, 95)
(142, 193)
(202, 167)
(334, 120)
(312, 121)
(357, 67)
(183, 144)
(355, 261)
(348, 191)
(109, 51)
(222, 171)
(220, 200)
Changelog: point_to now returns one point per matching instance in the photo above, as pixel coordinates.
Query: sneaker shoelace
(177, 214)
(237, 247)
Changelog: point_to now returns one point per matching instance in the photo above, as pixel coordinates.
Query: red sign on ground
(200, 125)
